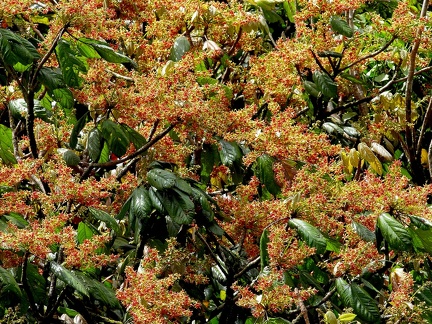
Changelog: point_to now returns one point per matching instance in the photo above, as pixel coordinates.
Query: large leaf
(94, 144)
(117, 139)
(73, 141)
(180, 47)
(70, 64)
(394, 232)
(99, 291)
(64, 97)
(264, 255)
(84, 232)
(70, 157)
(107, 218)
(51, 78)
(18, 108)
(325, 84)
(6, 146)
(17, 51)
(8, 285)
(230, 153)
(69, 278)
(344, 290)
(264, 172)
(106, 52)
(341, 27)
(209, 158)
(422, 239)
(179, 206)
(161, 179)
(141, 207)
(136, 138)
(310, 234)
(364, 232)
(37, 283)
(364, 306)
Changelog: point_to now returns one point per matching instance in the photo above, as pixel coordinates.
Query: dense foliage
(226, 161)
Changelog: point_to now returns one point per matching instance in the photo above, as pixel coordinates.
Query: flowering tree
(224, 161)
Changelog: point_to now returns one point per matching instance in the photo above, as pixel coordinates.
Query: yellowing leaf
(354, 157)
(223, 294)
(330, 318)
(347, 317)
(376, 166)
(424, 157)
(346, 162)
(366, 153)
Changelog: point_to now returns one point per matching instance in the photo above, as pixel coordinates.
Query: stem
(29, 98)
(26, 285)
(426, 119)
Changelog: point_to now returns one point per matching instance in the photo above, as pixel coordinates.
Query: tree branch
(426, 119)
(248, 266)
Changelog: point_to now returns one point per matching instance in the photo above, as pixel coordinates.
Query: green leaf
(71, 158)
(422, 239)
(311, 89)
(351, 78)
(16, 219)
(264, 256)
(17, 51)
(325, 84)
(394, 232)
(136, 138)
(8, 285)
(51, 78)
(202, 199)
(156, 199)
(263, 169)
(276, 320)
(117, 139)
(106, 218)
(161, 179)
(106, 52)
(70, 64)
(180, 47)
(94, 144)
(105, 154)
(6, 146)
(420, 222)
(86, 50)
(64, 97)
(73, 141)
(290, 9)
(18, 109)
(99, 291)
(341, 27)
(344, 290)
(37, 283)
(310, 234)
(84, 232)
(230, 153)
(179, 206)
(330, 54)
(364, 232)
(364, 305)
(209, 158)
(69, 278)
(141, 205)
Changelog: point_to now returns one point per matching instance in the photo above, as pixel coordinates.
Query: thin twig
(117, 75)
(426, 119)
(248, 266)
(211, 253)
(369, 55)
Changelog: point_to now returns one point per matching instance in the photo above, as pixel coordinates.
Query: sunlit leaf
(394, 232)
(325, 84)
(340, 26)
(6, 147)
(310, 234)
(69, 278)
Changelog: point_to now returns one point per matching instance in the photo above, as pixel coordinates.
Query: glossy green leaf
(117, 139)
(230, 153)
(325, 84)
(156, 199)
(51, 78)
(290, 9)
(16, 219)
(179, 206)
(263, 169)
(19, 108)
(341, 27)
(85, 49)
(136, 138)
(394, 232)
(8, 284)
(16, 51)
(364, 305)
(344, 290)
(106, 52)
(209, 158)
(64, 97)
(264, 255)
(94, 144)
(69, 278)
(6, 146)
(99, 291)
(73, 141)
(311, 88)
(364, 232)
(70, 63)
(105, 153)
(84, 232)
(422, 239)
(106, 218)
(141, 205)
(37, 283)
(180, 47)
(201, 198)
(420, 222)
(161, 179)
(310, 234)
